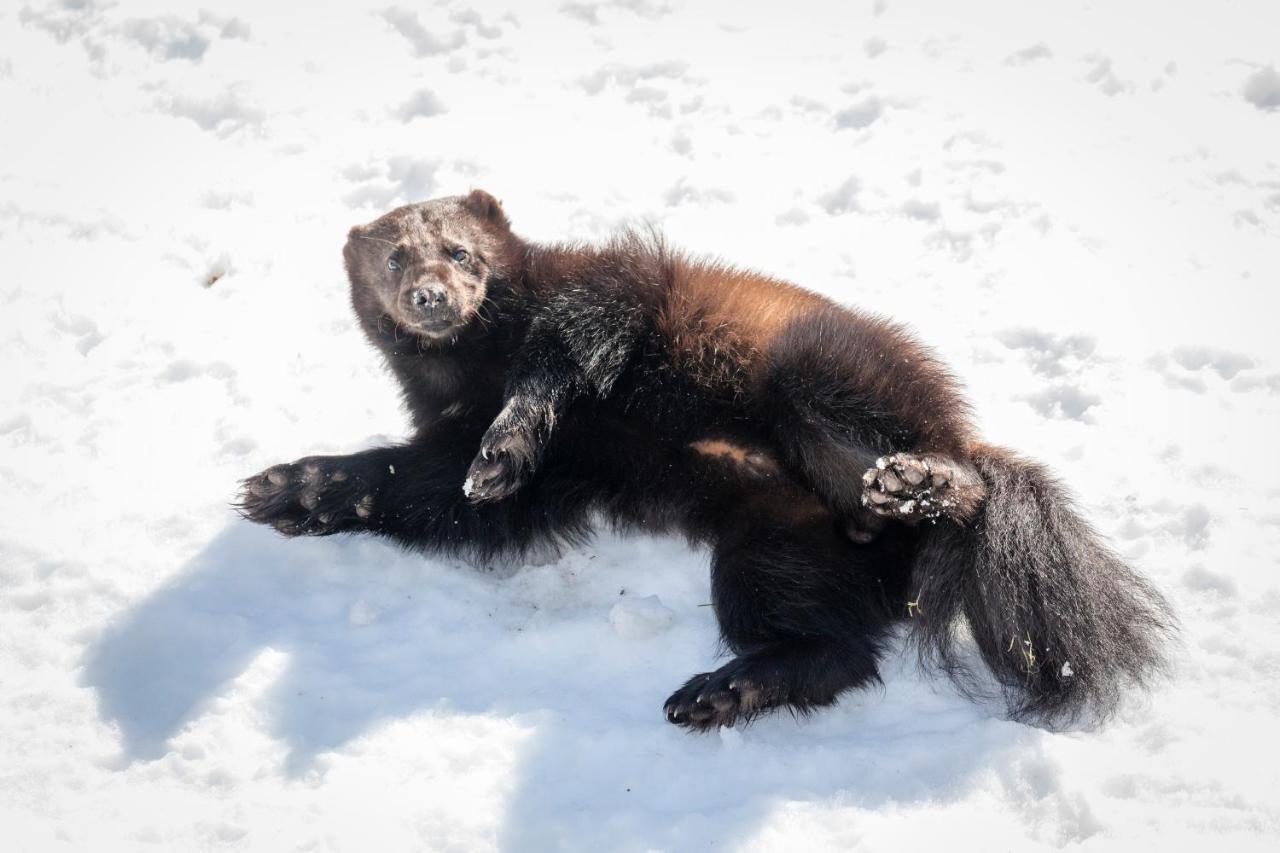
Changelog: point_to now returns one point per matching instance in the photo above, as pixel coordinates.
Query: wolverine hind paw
(913, 488)
(713, 699)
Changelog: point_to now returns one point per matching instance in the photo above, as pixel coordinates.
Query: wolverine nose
(428, 297)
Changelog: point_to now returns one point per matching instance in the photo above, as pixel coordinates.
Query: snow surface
(1078, 204)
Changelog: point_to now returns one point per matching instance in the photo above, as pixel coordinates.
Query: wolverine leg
(412, 494)
(805, 610)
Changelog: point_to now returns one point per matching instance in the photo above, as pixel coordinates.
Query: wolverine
(823, 456)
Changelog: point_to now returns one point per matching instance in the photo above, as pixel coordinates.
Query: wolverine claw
(503, 464)
(493, 477)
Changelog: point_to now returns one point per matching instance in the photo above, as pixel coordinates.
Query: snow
(1078, 205)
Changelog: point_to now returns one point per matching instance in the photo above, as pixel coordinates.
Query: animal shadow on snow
(373, 634)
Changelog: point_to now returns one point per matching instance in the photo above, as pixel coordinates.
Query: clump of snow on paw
(640, 618)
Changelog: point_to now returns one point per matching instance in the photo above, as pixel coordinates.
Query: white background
(1077, 204)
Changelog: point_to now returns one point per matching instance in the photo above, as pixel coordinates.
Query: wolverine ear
(485, 206)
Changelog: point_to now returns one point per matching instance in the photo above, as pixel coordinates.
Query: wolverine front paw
(314, 496)
(503, 465)
(914, 488)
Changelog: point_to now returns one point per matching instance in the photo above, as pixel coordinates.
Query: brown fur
(719, 320)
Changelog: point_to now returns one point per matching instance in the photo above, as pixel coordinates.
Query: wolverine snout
(428, 307)
(428, 298)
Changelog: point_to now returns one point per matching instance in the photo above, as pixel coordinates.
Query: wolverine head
(429, 266)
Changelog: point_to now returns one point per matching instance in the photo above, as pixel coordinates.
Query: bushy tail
(1058, 618)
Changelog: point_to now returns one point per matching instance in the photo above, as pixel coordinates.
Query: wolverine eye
(460, 255)
(393, 264)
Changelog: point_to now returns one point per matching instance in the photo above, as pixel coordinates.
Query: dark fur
(824, 457)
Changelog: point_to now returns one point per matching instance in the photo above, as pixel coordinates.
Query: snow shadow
(370, 632)
(373, 634)
(633, 783)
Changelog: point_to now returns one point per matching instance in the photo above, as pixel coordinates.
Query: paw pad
(908, 488)
(312, 496)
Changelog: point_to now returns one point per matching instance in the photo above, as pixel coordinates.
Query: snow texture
(1077, 204)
